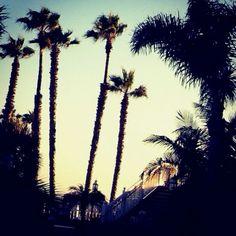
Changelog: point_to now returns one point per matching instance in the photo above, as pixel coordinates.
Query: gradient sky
(80, 72)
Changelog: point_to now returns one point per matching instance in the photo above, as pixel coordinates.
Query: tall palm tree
(3, 16)
(57, 39)
(124, 85)
(105, 28)
(201, 49)
(14, 49)
(42, 21)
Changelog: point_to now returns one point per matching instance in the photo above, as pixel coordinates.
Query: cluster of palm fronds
(188, 150)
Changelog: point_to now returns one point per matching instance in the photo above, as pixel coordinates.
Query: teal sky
(80, 72)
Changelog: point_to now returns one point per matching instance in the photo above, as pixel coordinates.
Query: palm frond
(116, 80)
(153, 167)
(125, 74)
(113, 88)
(2, 55)
(3, 16)
(27, 52)
(185, 119)
(75, 41)
(27, 25)
(120, 29)
(92, 34)
(160, 139)
(53, 20)
(141, 91)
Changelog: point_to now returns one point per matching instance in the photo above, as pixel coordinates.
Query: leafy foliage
(15, 48)
(3, 16)
(187, 150)
(106, 28)
(22, 193)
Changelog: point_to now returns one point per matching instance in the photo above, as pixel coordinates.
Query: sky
(81, 69)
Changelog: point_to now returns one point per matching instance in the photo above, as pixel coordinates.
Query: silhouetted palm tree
(57, 39)
(42, 21)
(14, 49)
(105, 28)
(228, 164)
(200, 48)
(187, 150)
(3, 16)
(124, 85)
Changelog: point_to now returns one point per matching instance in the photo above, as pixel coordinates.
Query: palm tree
(42, 21)
(14, 49)
(187, 150)
(3, 16)
(124, 85)
(105, 28)
(201, 49)
(57, 39)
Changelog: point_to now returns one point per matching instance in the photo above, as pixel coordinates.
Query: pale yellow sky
(80, 72)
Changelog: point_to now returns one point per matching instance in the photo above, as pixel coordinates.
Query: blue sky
(80, 72)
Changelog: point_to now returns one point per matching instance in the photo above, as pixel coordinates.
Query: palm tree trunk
(9, 105)
(120, 145)
(96, 133)
(37, 112)
(216, 142)
(97, 125)
(108, 48)
(52, 113)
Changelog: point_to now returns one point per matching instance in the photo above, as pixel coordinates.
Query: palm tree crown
(59, 38)
(42, 21)
(124, 85)
(106, 28)
(14, 48)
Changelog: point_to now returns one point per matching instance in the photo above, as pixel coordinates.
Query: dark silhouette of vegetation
(3, 16)
(200, 48)
(187, 150)
(23, 196)
(105, 28)
(14, 49)
(57, 39)
(123, 85)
